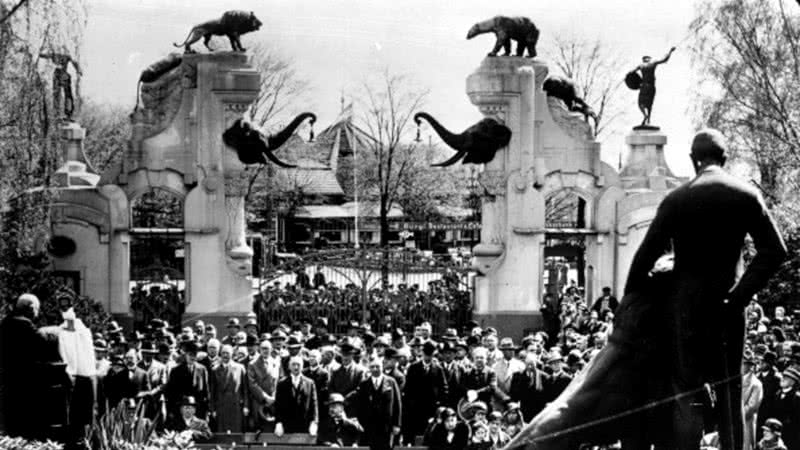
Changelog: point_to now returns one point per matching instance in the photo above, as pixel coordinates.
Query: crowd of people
(446, 303)
(469, 388)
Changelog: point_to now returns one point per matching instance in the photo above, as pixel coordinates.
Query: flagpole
(355, 183)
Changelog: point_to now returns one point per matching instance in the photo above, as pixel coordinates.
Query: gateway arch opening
(565, 264)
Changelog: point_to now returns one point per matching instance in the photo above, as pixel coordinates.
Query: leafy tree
(108, 128)
(747, 53)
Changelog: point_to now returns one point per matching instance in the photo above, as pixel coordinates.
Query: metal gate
(384, 288)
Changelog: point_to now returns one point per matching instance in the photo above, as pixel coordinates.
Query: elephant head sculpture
(475, 145)
(253, 147)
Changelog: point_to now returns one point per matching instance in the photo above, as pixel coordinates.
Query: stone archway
(157, 257)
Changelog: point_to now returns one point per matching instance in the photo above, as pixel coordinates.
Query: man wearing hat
(157, 378)
(125, 380)
(101, 357)
(187, 420)
(770, 379)
(188, 378)
(391, 369)
(337, 430)
(785, 407)
(530, 388)
(505, 367)
(425, 390)
(559, 379)
(705, 221)
(293, 347)
(752, 394)
(233, 329)
(345, 379)
(321, 378)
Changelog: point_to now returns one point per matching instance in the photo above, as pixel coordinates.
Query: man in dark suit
(189, 378)
(19, 352)
(606, 302)
(296, 402)
(128, 382)
(705, 222)
(530, 389)
(378, 401)
(320, 377)
(346, 378)
(559, 379)
(480, 381)
(453, 372)
(390, 355)
(337, 430)
(425, 390)
(785, 406)
(770, 380)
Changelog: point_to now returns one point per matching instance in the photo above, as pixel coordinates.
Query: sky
(336, 44)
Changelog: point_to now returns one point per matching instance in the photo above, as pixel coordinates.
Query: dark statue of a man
(643, 77)
(62, 81)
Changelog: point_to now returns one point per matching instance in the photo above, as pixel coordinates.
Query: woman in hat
(772, 436)
(785, 407)
(450, 434)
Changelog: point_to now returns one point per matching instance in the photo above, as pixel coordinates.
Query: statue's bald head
(709, 146)
(28, 305)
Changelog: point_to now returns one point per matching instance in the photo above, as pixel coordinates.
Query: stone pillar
(220, 262)
(75, 169)
(645, 158)
(509, 256)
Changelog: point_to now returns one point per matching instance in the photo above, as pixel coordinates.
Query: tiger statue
(232, 24)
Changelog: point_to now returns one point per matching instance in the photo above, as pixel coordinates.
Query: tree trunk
(384, 224)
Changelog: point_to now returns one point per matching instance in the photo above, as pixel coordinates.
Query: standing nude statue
(647, 88)
(62, 81)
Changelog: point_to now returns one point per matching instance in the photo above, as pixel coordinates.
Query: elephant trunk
(276, 140)
(455, 141)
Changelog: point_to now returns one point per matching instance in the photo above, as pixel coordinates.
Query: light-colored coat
(262, 378)
(229, 396)
(752, 394)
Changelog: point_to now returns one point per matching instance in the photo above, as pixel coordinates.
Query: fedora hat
(100, 345)
(336, 398)
(278, 335)
(793, 373)
(251, 340)
(450, 334)
(189, 346)
(390, 352)
(773, 425)
(507, 344)
(188, 400)
(554, 357)
(251, 322)
(429, 348)
(233, 322)
(293, 342)
(148, 347)
(113, 327)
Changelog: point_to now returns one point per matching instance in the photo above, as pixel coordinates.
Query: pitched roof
(365, 209)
